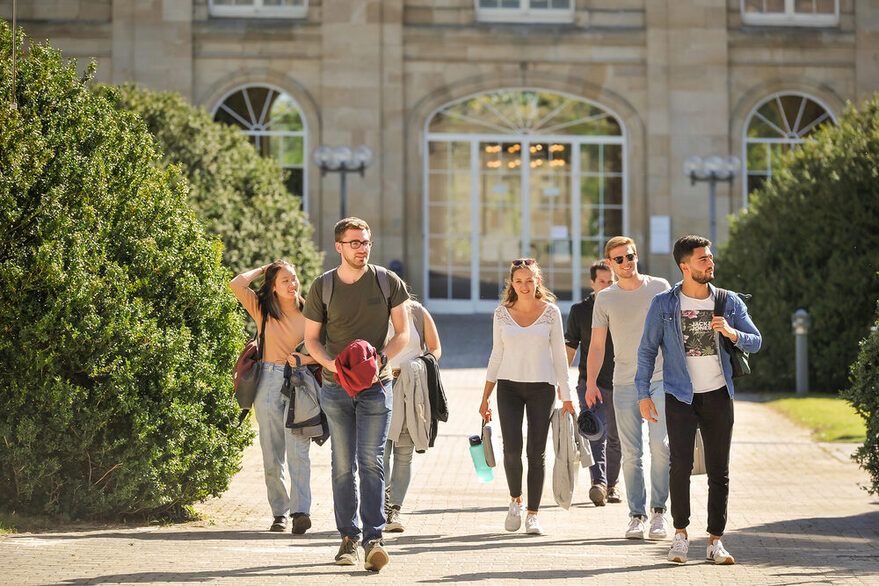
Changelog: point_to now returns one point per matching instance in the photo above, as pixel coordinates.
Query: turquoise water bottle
(477, 452)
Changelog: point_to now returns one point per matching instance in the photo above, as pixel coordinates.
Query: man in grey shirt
(622, 309)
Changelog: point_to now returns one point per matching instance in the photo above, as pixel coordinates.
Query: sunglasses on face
(523, 261)
(355, 244)
(620, 259)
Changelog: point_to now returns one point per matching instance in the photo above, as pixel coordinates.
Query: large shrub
(864, 396)
(810, 239)
(240, 195)
(118, 331)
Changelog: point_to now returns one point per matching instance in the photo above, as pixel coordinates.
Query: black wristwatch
(383, 358)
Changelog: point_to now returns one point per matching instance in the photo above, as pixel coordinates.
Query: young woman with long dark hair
(279, 299)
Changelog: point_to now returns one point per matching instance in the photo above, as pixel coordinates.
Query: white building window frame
(525, 13)
(789, 140)
(475, 304)
(257, 9)
(259, 131)
(790, 17)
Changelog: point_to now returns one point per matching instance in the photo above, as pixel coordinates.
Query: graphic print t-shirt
(700, 344)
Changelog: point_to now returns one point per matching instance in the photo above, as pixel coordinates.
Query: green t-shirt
(356, 311)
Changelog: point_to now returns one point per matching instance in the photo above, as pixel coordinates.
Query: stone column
(361, 103)
(688, 113)
(867, 47)
(152, 44)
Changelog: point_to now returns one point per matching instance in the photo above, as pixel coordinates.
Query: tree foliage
(810, 239)
(863, 394)
(240, 195)
(118, 330)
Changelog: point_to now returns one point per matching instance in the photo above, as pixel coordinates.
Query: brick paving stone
(796, 515)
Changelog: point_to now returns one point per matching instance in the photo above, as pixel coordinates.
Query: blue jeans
(630, 428)
(280, 447)
(401, 473)
(605, 451)
(358, 432)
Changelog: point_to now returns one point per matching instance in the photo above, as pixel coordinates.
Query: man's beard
(703, 278)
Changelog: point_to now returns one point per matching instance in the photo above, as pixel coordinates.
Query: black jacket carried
(439, 407)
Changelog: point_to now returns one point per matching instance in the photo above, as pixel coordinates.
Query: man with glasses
(578, 332)
(698, 379)
(357, 308)
(621, 309)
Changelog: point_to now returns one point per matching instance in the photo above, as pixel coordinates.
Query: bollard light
(800, 325)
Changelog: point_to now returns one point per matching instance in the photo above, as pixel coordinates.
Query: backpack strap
(418, 317)
(326, 288)
(719, 301)
(384, 283)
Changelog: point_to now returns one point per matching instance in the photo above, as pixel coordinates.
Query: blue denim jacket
(662, 329)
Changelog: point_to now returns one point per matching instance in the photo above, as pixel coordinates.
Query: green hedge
(810, 239)
(240, 195)
(118, 329)
(864, 396)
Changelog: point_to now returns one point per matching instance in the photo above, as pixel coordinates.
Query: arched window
(272, 120)
(776, 125)
(519, 172)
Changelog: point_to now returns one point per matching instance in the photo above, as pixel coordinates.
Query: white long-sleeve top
(530, 354)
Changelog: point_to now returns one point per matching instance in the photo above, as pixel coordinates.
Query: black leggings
(536, 401)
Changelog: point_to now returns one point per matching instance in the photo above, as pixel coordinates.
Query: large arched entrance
(519, 173)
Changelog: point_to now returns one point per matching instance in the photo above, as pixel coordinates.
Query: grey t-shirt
(356, 311)
(624, 313)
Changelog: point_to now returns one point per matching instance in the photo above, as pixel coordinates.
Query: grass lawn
(831, 419)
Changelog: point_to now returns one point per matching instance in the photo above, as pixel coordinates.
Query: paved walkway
(796, 516)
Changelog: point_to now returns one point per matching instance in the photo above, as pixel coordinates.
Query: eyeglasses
(355, 244)
(619, 259)
(523, 261)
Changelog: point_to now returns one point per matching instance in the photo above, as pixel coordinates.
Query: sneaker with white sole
(613, 495)
(680, 545)
(375, 557)
(718, 554)
(349, 552)
(532, 525)
(394, 525)
(636, 527)
(514, 516)
(658, 526)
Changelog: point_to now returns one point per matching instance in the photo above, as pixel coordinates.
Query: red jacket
(357, 366)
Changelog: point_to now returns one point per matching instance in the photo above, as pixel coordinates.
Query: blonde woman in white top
(528, 361)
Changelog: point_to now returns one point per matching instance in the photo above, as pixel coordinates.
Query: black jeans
(605, 451)
(712, 412)
(535, 400)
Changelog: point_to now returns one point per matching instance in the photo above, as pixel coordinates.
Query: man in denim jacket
(697, 374)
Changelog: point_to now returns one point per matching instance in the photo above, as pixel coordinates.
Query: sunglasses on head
(619, 259)
(523, 261)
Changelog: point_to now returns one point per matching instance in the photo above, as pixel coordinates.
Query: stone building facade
(499, 128)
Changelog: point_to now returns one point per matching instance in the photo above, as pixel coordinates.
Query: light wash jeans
(400, 474)
(279, 446)
(629, 426)
(358, 432)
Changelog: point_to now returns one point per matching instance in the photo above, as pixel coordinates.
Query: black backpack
(737, 357)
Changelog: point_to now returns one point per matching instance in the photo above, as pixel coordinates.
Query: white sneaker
(636, 528)
(658, 526)
(679, 547)
(718, 553)
(532, 525)
(514, 517)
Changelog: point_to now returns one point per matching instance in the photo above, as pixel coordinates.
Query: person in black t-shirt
(578, 333)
